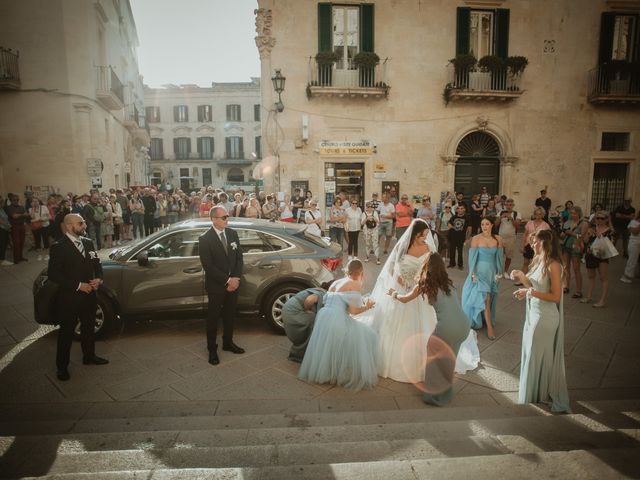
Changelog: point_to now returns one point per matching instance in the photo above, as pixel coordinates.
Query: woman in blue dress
(480, 290)
(341, 350)
(542, 372)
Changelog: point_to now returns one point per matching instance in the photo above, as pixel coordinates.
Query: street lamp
(278, 85)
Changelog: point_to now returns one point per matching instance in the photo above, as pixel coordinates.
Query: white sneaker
(6, 263)
(624, 279)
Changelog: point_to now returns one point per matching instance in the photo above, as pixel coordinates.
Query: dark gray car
(161, 275)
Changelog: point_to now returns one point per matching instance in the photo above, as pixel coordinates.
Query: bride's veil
(387, 278)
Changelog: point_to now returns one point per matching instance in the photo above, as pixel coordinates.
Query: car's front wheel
(105, 318)
(274, 303)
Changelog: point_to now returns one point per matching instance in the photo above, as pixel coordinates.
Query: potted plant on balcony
(495, 66)
(463, 64)
(366, 63)
(325, 61)
(515, 66)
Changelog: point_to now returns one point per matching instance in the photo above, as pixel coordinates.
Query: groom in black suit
(74, 265)
(221, 259)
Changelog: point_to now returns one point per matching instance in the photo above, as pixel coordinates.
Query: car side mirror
(143, 258)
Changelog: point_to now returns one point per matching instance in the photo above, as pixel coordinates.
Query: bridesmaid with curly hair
(451, 330)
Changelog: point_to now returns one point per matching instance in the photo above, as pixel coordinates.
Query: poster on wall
(330, 187)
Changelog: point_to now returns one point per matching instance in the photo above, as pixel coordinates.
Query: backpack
(370, 222)
(98, 213)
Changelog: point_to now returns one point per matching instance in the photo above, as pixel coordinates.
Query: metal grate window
(609, 181)
(615, 142)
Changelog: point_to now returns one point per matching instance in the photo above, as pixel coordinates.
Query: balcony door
(346, 43)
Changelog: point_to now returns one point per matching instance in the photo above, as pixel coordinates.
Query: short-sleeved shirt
(634, 237)
(458, 225)
(403, 221)
(507, 228)
(387, 209)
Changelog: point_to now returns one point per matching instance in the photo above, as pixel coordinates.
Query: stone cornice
(264, 41)
(82, 107)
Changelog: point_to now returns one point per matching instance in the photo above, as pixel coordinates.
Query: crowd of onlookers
(120, 215)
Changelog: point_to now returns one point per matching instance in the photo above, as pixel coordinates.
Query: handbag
(603, 248)
(45, 303)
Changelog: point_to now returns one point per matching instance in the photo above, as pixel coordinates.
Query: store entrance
(348, 178)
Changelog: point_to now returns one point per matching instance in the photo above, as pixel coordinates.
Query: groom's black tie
(223, 239)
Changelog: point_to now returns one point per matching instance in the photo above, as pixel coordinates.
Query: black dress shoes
(63, 375)
(213, 358)
(233, 348)
(95, 360)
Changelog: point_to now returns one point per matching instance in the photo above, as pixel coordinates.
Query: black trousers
(353, 243)
(80, 306)
(149, 225)
(4, 241)
(222, 304)
(456, 244)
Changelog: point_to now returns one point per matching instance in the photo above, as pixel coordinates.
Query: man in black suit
(74, 265)
(149, 203)
(221, 259)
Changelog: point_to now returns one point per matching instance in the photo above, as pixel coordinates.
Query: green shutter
(366, 28)
(175, 146)
(501, 47)
(228, 113)
(189, 145)
(186, 113)
(463, 19)
(212, 143)
(607, 22)
(227, 144)
(199, 142)
(175, 114)
(241, 141)
(325, 28)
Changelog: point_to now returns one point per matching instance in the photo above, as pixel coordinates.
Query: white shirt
(353, 219)
(634, 237)
(388, 209)
(75, 241)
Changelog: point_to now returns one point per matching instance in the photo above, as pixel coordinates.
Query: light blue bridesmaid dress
(485, 262)
(542, 373)
(341, 350)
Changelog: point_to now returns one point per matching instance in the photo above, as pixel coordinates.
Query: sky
(196, 41)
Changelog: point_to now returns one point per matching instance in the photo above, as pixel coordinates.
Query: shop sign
(332, 147)
(94, 167)
(379, 171)
(96, 182)
(330, 187)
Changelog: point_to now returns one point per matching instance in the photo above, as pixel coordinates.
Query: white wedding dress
(404, 328)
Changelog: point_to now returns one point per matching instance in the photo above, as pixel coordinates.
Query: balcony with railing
(110, 91)
(470, 84)
(614, 84)
(334, 80)
(136, 123)
(9, 73)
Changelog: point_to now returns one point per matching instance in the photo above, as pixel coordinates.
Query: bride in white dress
(405, 328)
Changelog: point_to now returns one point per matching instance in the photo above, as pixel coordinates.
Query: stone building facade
(204, 136)
(71, 107)
(417, 122)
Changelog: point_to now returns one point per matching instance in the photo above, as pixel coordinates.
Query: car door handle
(192, 270)
(267, 266)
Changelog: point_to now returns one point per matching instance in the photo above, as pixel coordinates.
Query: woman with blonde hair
(593, 258)
(573, 234)
(531, 227)
(542, 371)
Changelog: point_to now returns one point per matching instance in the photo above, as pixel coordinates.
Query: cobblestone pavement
(167, 361)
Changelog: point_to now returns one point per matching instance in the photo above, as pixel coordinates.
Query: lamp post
(278, 85)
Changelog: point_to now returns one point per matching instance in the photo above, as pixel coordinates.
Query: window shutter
(186, 115)
(325, 28)
(241, 147)
(175, 114)
(188, 140)
(227, 144)
(160, 148)
(175, 146)
(199, 145)
(463, 20)
(501, 47)
(200, 115)
(228, 113)
(366, 27)
(211, 143)
(607, 22)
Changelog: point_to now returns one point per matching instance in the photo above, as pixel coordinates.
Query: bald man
(75, 266)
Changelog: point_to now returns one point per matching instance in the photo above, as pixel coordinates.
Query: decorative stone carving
(483, 122)
(264, 41)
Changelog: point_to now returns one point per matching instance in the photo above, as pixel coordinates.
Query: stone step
(167, 416)
(98, 423)
(550, 433)
(597, 464)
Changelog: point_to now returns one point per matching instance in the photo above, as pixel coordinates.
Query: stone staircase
(180, 440)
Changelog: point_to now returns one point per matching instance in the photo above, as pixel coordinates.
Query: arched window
(478, 144)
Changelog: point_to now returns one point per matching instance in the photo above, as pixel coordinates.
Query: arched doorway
(478, 164)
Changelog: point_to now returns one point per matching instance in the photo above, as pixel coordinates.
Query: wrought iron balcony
(618, 84)
(135, 122)
(334, 80)
(468, 84)
(9, 73)
(110, 91)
